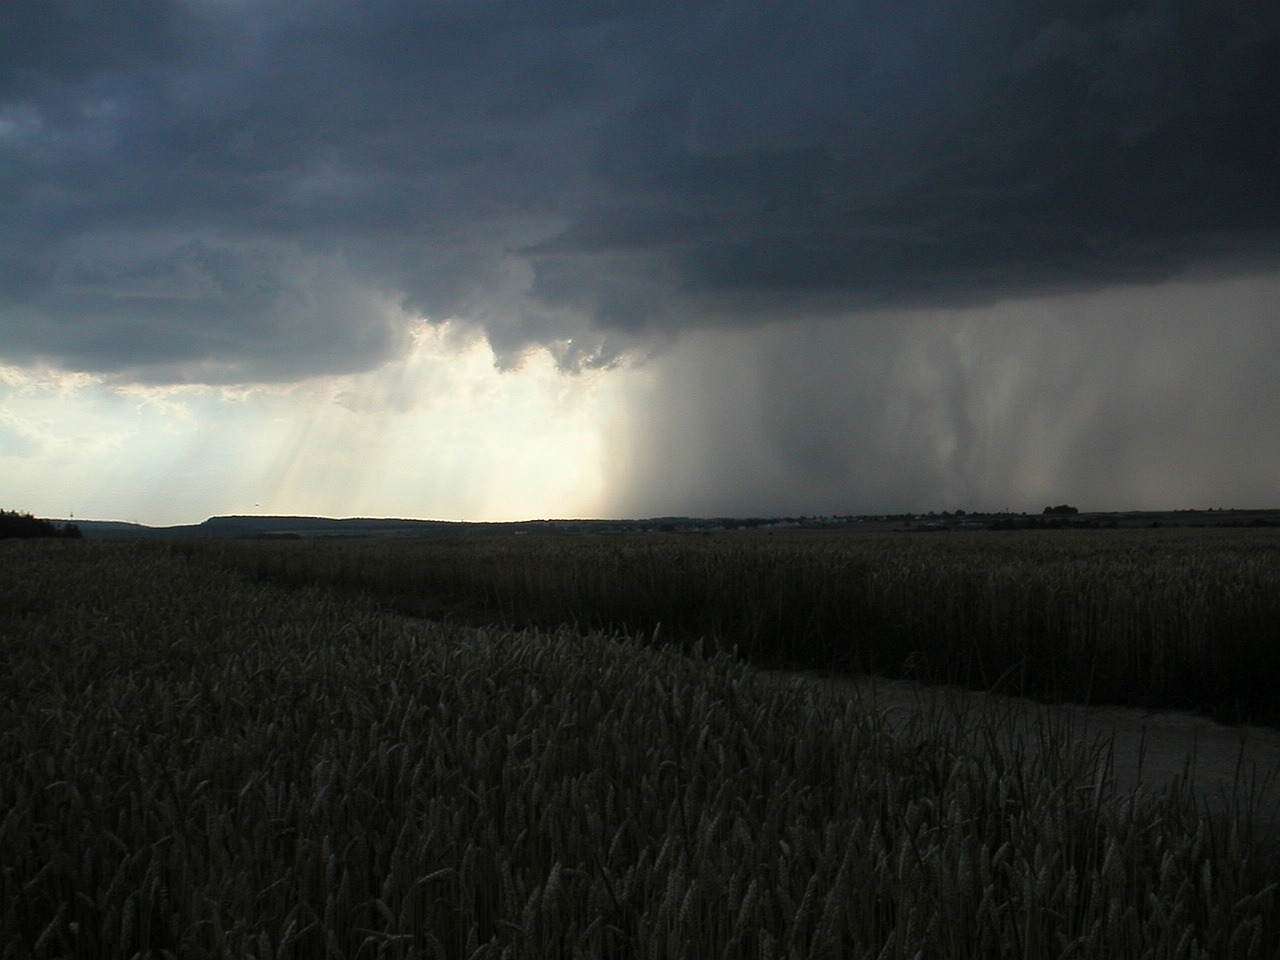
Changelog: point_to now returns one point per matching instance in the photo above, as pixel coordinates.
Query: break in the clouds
(256, 190)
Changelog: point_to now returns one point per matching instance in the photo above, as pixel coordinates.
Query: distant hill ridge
(292, 527)
(282, 527)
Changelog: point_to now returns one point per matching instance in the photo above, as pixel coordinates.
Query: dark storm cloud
(1017, 406)
(233, 189)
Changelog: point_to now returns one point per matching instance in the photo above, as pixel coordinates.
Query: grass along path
(1229, 771)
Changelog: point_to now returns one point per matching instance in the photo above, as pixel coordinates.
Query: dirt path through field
(1228, 766)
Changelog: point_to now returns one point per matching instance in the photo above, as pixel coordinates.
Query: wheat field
(201, 763)
(1174, 618)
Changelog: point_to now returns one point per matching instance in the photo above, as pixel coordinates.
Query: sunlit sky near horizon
(481, 260)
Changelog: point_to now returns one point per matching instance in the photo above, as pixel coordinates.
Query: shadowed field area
(199, 764)
(1181, 619)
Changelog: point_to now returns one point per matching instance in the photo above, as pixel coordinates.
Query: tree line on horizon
(25, 526)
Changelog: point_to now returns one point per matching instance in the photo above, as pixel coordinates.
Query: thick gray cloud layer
(246, 189)
(1155, 398)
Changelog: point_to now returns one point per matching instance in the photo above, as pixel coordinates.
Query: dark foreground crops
(195, 764)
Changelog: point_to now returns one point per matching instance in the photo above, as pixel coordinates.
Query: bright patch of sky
(439, 432)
